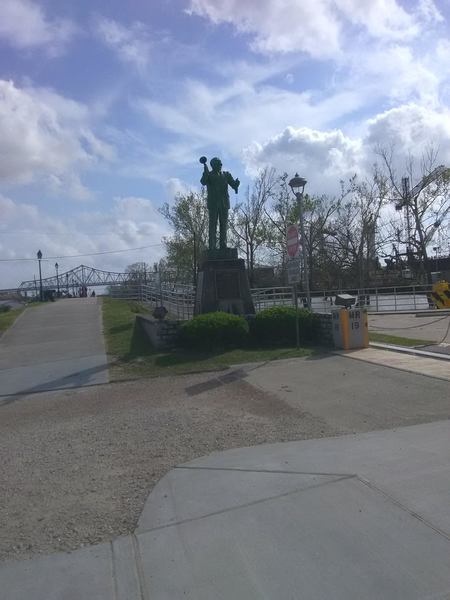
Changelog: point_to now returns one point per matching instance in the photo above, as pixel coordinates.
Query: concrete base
(223, 285)
(163, 335)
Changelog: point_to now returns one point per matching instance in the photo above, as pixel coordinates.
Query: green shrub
(4, 308)
(276, 326)
(213, 331)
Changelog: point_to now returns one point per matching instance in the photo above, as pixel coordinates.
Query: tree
(139, 272)
(284, 211)
(425, 205)
(249, 222)
(189, 218)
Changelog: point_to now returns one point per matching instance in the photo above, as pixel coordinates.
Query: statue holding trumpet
(218, 199)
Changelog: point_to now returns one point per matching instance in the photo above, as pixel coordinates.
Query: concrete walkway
(53, 346)
(361, 516)
(421, 365)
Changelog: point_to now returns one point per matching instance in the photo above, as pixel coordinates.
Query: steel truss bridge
(83, 276)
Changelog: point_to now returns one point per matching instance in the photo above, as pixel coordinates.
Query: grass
(132, 355)
(8, 318)
(396, 340)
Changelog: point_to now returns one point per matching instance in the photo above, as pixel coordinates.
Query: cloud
(312, 26)
(47, 138)
(326, 157)
(131, 222)
(131, 45)
(175, 187)
(24, 25)
(411, 129)
(232, 116)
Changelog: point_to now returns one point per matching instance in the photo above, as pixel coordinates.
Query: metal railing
(384, 299)
(179, 299)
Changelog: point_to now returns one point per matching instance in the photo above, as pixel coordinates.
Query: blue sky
(106, 106)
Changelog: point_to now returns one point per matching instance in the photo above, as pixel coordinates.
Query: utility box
(350, 328)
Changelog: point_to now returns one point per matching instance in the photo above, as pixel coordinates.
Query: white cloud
(396, 73)
(311, 26)
(326, 157)
(411, 129)
(428, 11)
(231, 117)
(132, 45)
(323, 157)
(23, 24)
(277, 26)
(175, 187)
(46, 137)
(131, 222)
(383, 19)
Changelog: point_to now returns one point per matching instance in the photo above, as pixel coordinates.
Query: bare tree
(354, 239)
(425, 204)
(249, 223)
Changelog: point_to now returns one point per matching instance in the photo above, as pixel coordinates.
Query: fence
(179, 299)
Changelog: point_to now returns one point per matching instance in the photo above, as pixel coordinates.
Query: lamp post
(297, 185)
(39, 257)
(437, 249)
(57, 277)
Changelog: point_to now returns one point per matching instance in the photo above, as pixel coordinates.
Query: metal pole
(304, 253)
(57, 277)
(297, 332)
(41, 296)
(195, 260)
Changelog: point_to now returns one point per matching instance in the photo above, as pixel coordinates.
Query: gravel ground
(77, 466)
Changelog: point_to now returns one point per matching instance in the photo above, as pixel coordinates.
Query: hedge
(276, 326)
(214, 330)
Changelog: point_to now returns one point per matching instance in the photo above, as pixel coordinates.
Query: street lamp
(39, 257)
(297, 185)
(57, 277)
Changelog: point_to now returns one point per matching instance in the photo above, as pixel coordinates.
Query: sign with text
(293, 270)
(292, 241)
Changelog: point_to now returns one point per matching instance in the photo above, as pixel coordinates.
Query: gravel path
(78, 465)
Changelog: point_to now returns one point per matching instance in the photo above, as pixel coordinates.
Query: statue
(218, 201)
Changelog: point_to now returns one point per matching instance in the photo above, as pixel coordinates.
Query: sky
(106, 107)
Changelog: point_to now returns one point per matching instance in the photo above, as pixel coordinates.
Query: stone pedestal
(222, 284)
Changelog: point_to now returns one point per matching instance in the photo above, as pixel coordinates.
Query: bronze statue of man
(218, 200)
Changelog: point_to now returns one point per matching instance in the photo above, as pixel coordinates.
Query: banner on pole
(292, 241)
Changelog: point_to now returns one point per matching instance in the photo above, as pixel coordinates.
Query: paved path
(432, 326)
(53, 346)
(363, 516)
(432, 367)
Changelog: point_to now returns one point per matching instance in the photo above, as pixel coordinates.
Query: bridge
(82, 276)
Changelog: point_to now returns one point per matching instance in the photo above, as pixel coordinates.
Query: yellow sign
(440, 296)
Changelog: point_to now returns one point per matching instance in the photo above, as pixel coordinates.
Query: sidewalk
(412, 363)
(54, 346)
(361, 516)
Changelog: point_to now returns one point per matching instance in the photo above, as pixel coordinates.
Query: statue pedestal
(222, 284)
